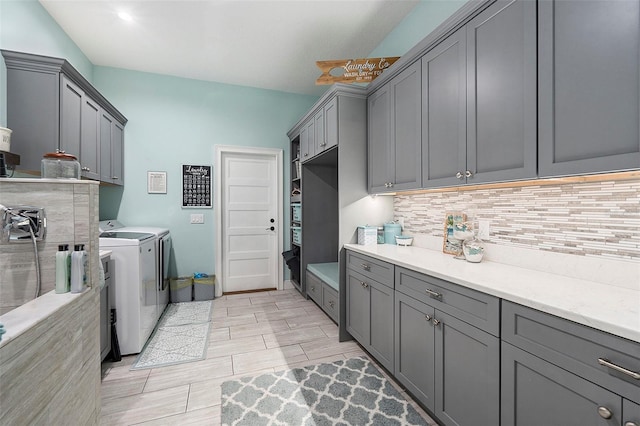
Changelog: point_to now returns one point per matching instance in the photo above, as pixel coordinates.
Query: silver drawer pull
(607, 363)
(433, 294)
(364, 285)
(436, 322)
(331, 303)
(313, 288)
(631, 424)
(604, 412)
(366, 267)
(427, 317)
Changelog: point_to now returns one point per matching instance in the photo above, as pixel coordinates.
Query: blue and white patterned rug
(347, 392)
(182, 335)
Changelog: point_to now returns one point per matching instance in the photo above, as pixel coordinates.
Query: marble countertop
(613, 309)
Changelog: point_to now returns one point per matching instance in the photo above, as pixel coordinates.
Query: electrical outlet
(197, 218)
(484, 229)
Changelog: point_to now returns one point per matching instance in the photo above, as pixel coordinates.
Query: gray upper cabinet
(50, 107)
(398, 135)
(444, 110)
(589, 86)
(111, 150)
(501, 93)
(378, 136)
(331, 124)
(320, 131)
(479, 100)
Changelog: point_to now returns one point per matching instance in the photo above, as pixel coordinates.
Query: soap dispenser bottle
(63, 263)
(78, 269)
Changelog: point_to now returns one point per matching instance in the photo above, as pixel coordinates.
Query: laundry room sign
(353, 70)
(196, 186)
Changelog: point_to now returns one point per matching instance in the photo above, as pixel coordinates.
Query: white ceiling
(270, 44)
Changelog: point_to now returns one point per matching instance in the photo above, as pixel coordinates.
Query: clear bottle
(63, 263)
(78, 269)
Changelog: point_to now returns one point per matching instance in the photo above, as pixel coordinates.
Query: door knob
(272, 220)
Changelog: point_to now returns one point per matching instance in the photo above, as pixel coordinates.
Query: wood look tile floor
(250, 334)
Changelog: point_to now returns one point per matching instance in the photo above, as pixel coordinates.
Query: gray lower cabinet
(581, 376)
(51, 106)
(105, 310)
(479, 100)
(452, 367)
(369, 317)
(589, 86)
(394, 132)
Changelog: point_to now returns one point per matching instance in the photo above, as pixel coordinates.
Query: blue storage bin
(296, 213)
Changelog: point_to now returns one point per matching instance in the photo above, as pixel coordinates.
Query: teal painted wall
(26, 26)
(175, 121)
(423, 19)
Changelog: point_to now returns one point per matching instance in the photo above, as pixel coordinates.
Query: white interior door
(250, 222)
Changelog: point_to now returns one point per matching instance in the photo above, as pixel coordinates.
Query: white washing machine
(163, 253)
(135, 270)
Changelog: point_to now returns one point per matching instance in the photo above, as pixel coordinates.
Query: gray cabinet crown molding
(459, 18)
(33, 62)
(338, 89)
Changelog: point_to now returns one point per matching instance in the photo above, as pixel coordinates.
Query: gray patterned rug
(347, 392)
(182, 335)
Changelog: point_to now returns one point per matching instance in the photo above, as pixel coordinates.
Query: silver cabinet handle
(607, 363)
(115, 177)
(306, 154)
(313, 288)
(386, 184)
(604, 412)
(436, 322)
(86, 169)
(365, 267)
(332, 304)
(427, 317)
(468, 174)
(323, 144)
(459, 175)
(433, 294)
(631, 424)
(364, 285)
(390, 184)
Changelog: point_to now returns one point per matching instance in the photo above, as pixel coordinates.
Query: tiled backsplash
(589, 219)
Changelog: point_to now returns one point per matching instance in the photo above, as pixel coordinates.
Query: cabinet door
(378, 140)
(589, 86)
(117, 153)
(71, 105)
(501, 93)
(630, 413)
(444, 112)
(381, 328)
(467, 373)
(358, 308)
(318, 124)
(106, 126)
(307, 141)
(414, 350)
(406, 129)
(331, 123)
(535, 392)
(90, 142)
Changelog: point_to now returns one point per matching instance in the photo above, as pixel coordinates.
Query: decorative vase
(473, 249)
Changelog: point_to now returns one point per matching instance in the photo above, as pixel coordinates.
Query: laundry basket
(204, 288)
(181, 289)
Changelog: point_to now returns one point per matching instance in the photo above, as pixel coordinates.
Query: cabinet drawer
(371, 268)
(330, 301)
(574, 347)
(478, 309)
(314, 288)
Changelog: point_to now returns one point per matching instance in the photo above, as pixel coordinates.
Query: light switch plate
(197, 218)
(484, 229)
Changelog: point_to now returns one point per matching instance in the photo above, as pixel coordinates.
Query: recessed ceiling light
(125, 16)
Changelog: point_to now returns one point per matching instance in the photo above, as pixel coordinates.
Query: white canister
(5, 139)
(367, 235)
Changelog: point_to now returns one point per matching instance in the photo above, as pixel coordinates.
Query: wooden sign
(353, 70)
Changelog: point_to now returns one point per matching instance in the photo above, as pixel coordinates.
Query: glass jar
(59, 165)
(473, 249)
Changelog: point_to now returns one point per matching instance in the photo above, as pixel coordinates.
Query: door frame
(219, 151)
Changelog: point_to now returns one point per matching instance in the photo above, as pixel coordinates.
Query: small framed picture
(157, 182)
(451, 245)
